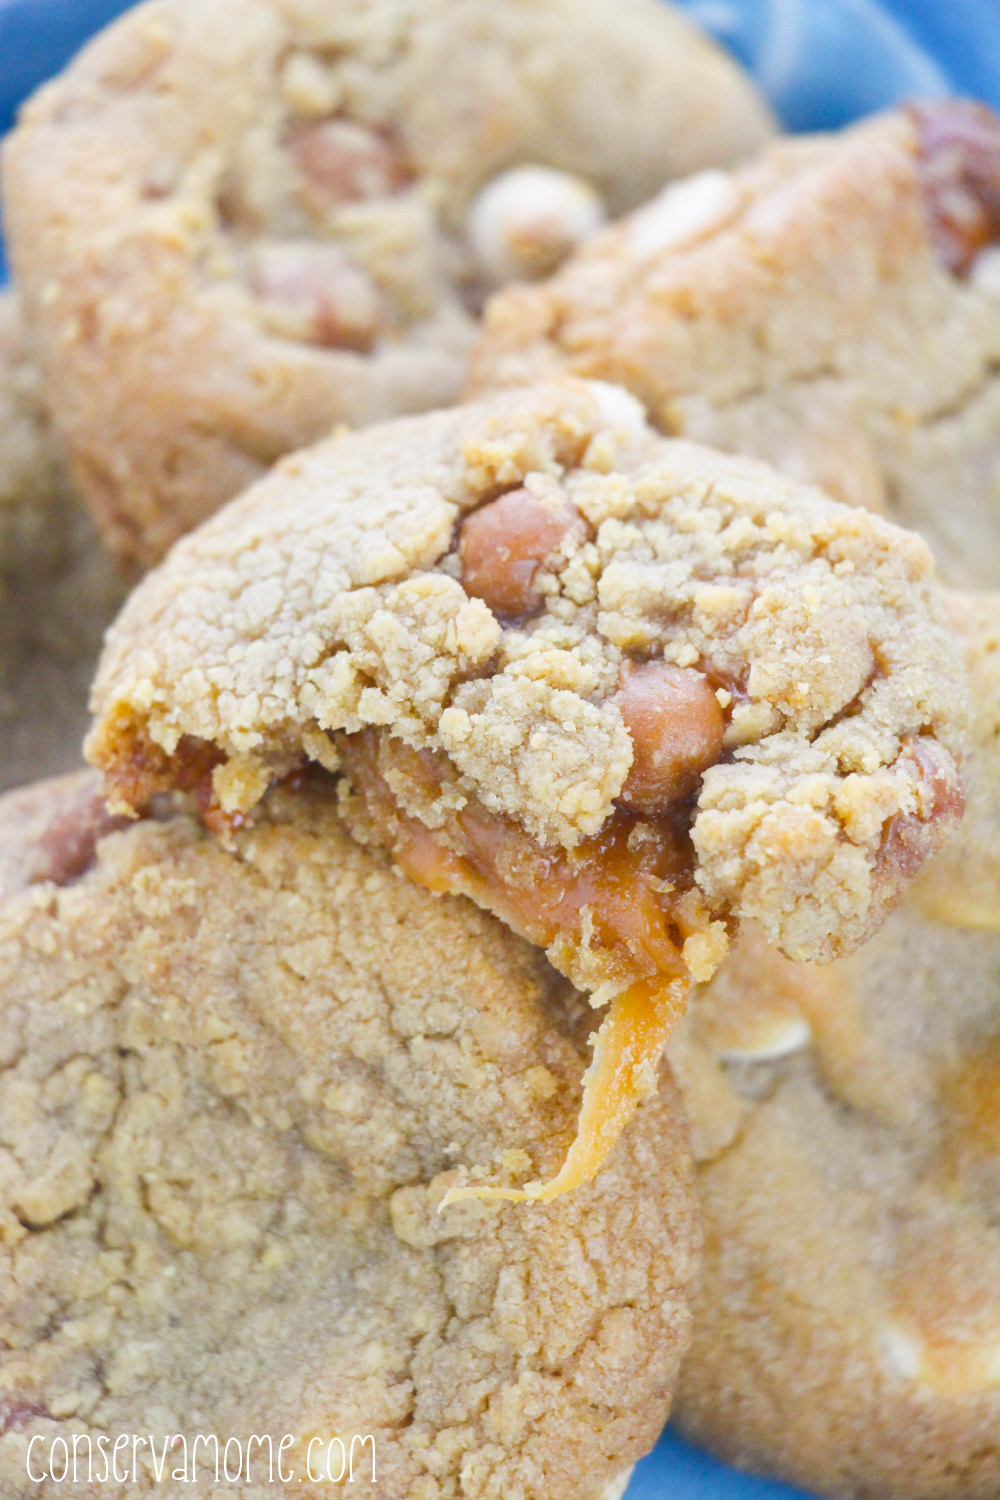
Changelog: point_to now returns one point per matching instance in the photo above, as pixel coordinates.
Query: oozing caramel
(503, 545)
(620, 906)
(627, 1051)
(959, 144)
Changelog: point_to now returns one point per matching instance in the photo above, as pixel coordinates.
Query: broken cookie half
(619, 689)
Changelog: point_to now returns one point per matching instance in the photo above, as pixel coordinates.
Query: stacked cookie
(494, 978)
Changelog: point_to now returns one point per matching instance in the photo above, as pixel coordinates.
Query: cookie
(847, 1330)
(961, 886)
(237, 224)
(833, 308)
(30, 475)
(58, 588)
(620, 690)
(236, 1088)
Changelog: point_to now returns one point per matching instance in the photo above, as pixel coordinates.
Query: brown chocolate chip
(676, 727)
(503, 545)
(342, 162)
(959, 150)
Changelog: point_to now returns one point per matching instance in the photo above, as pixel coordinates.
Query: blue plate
(821, 63)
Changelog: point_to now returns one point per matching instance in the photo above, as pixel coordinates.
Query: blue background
(821, 63)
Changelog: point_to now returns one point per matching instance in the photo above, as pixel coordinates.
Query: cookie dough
(833, 308)
(619, 689)
(238, 223)
(236, 1088)
(847, 1330)
(58, 587)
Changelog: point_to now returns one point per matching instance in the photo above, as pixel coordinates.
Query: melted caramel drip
(623, 901)
(627, 1049)
(626, 895)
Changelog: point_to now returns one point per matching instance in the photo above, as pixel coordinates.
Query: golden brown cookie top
(236, 224)
(697, 638)
(236, 1088)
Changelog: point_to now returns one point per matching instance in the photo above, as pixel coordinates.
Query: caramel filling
(67, 848)
(959, 150)
(676, 727)
(316, 294)
(627, 1050)
(620, 910)
(620, 906)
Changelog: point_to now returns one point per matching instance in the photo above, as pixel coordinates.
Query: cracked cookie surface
(238, 223)
(847, 1328)
(235, 1087)
(833, 308)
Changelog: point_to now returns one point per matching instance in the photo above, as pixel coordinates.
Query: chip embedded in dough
(237, 1086)
(237, 223)
(833, 308)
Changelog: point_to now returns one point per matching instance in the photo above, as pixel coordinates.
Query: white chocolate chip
(780, 1038)
(985, 273)
(620, 410)
(684, 211)
(527, 220)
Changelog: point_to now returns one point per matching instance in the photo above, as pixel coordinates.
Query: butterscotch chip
(847, 1330)
(503, 546)
(833, 307)
(236, 1089)
(677, 729)
(238, 224)
(58, 589)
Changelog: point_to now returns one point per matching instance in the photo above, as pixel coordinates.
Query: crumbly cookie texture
(58, 588)
(326, 610)
(848, 1322)
(833, 308)
(239, 223)
(236, 1088)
